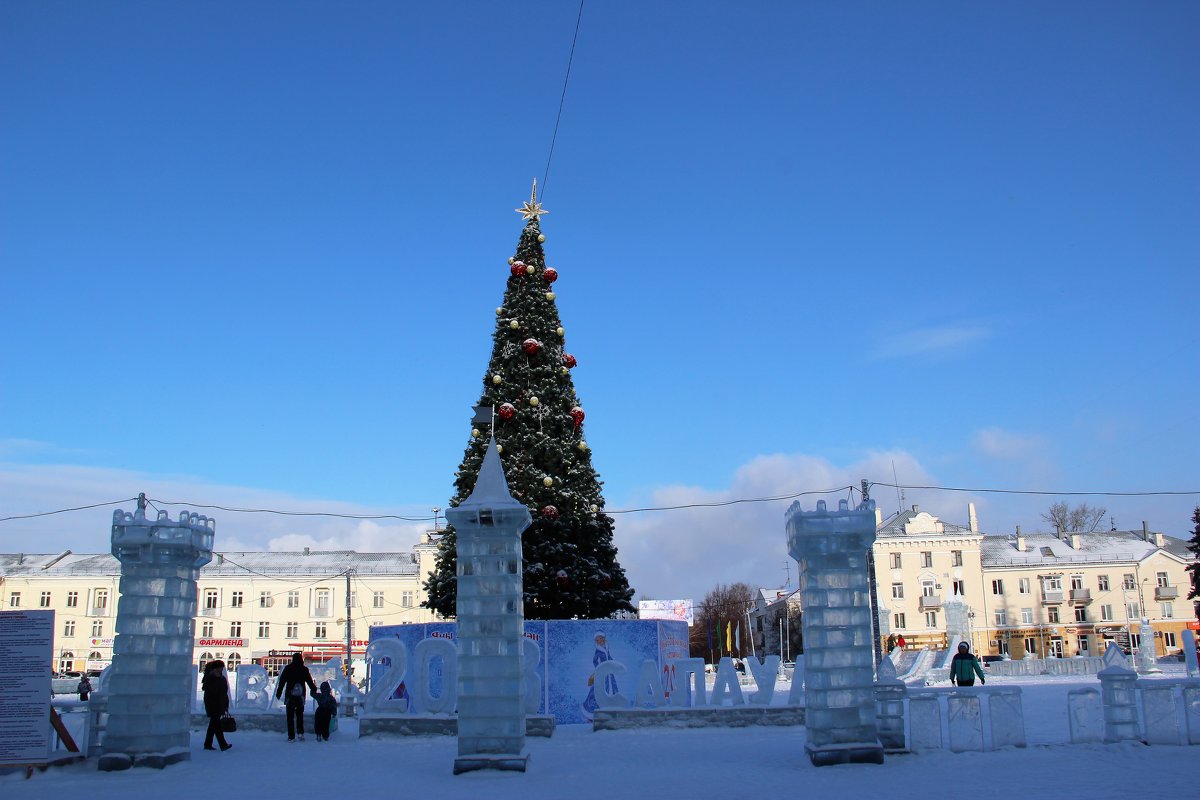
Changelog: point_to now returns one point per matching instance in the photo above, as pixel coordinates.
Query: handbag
(228, 723)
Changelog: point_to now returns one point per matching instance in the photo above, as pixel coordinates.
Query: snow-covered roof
(1094, 547)
(914, 521)
(314, 562)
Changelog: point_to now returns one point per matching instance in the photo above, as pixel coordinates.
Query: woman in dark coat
(216, 703)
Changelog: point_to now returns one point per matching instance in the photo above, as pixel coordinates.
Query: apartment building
(1042, 594)
(252, 606)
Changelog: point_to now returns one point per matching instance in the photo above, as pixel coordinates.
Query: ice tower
(491, 620)
(152, 682)
(831, 548)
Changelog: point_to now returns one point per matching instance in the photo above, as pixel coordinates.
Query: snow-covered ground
(727, 763)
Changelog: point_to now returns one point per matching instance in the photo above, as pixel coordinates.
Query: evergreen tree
(1194, 567)
(571, 568)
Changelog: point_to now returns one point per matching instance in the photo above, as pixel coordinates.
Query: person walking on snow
(292, 681)
(964, 667)
(216, 703)
(84, 688)
(326, 711)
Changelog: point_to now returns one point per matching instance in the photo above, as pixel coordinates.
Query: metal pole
(349, 628)
(750, 633)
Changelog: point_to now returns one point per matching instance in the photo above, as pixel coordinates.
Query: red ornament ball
(531, 346)
(550, 512)
(577, 415)
(569, 360)
(562, 578)
(507, 411)
(517, 268)
(550, 274)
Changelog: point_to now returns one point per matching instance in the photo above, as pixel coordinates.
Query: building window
(377, 600)
(235, 630)
(211, 599)
(928, 589)
(235, 600)
(898, 622)
(931, 619)
(321, 631)
(895, 561)
(1102, 583)
(1132, 611)
(44, 602)
(293, 599)
(956, 558)
(1128, 581)
(1162, 580)
(1135, 641)
(1076, 582)
(926, 558)
(14, 600)
(69, 628)
(293, 630)
(1081, 614)
(1106, 614)
(354, 599)
(897, 591)
(406, 599)
(323, 605)
(66, 661)
(72, 599)
(1083, 645)
(206, 630)
(264, 630)
(204, 659)
(998, 587)
(265, 600)
(1023, 585)
(101, 596)
(1026, 616)
(1031, 645)
(233, 660)
(1001, 616)
(960, 588)
(1003, 646)
(1169, 639)
(1052, 583)
(1052, 614)
(98, 629)
(1168, 610)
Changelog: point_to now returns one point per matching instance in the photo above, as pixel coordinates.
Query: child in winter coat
(326, 711)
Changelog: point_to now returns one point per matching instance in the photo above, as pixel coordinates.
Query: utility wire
(65, 510)
(1038, 492)
(729, 502)
(562, 100)
(293, 513)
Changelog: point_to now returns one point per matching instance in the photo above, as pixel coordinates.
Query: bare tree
(1081, 518)
(723, 607)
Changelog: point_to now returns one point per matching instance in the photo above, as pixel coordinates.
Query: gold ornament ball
(529, 270)
(497, 380)
(533, 401)
(547, 481)
(499, 448)
(562, 331)
(564, 370)
(549, 295)
(541, 237)
(514, 324)
(583, 445)
(595, 508)
(511, 259)
(475, 432)
(499, 311)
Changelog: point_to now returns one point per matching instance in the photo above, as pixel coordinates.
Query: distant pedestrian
(84, 688)
(891, 642)
(964, 667)
(292, 682)
(326, 710)
(900, 641)
(216, 703)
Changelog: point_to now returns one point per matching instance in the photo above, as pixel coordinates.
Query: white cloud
(686, 553)
(28, 489)
(1007, 446)
(935, 340)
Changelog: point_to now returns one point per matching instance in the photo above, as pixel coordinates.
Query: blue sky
(251, 254)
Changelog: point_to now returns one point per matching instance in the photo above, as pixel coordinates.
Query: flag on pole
(729, 637)
(737, 637)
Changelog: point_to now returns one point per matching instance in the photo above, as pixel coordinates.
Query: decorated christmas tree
(529, 404)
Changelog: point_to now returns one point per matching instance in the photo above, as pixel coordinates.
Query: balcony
(210, 612)
(930, 601)
(1052, 597)
(1081, 595)
(98, 611)
(1166, 592)
(322, 611)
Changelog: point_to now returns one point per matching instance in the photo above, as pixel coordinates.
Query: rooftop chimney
(878, 516)
(916, 508)
(1020, 541)
(307, 551)
(1145, 531)
(1160, 540)
(1074, 541)
(972, 520)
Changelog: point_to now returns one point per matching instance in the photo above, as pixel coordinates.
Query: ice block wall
(152, 679)
(831, 549)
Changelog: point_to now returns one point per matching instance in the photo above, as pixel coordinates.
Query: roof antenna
(787, 572)
(899, 491)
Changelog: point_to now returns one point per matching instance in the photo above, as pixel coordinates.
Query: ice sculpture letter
(491, 621)
(831, 548)
(152, 679)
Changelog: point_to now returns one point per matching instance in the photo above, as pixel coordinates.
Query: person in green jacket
(964, 667)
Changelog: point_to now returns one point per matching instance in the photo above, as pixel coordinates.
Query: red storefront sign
(222, 643)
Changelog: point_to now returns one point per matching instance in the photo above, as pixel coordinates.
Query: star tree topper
(532, 208)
